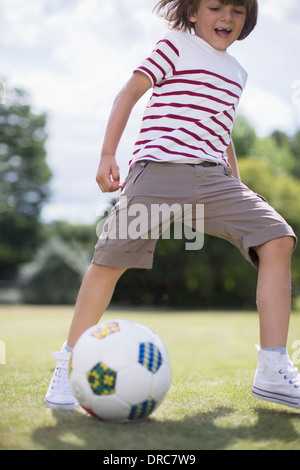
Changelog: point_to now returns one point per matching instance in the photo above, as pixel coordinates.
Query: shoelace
(291, 374)
(60, 377)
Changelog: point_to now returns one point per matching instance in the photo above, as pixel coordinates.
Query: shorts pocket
(134, 175)
(228, 171)
(262, 198)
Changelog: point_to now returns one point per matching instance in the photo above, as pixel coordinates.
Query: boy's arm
(233, 161)
(108, 174)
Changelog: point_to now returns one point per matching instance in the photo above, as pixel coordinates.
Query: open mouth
(223, 32)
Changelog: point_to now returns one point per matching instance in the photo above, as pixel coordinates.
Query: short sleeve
(161, 64)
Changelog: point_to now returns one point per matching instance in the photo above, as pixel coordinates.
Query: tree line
(45, 263)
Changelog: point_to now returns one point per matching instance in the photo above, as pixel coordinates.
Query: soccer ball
(119, 370)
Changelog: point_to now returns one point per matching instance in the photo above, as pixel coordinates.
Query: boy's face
(219, 25)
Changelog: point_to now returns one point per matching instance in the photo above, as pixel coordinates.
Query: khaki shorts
(231, 211)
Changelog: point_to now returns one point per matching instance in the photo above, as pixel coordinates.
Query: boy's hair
(177, 12)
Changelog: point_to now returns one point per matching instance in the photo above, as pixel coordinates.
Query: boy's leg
(234, 212)
(276, 378)
(274, 291)
(100, 280)
(94, 297)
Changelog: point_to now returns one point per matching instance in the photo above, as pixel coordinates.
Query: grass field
(209, 405)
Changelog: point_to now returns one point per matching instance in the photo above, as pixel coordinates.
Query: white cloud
(76, 213)
(273, 111)
(74, 55)
(276, 9)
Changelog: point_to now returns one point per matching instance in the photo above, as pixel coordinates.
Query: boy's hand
(108, 175)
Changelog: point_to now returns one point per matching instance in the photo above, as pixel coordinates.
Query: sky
(73, 57)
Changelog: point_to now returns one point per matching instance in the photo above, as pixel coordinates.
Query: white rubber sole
(62, 406)
(292, 402)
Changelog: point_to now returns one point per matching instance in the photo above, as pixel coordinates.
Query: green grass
(209, 405)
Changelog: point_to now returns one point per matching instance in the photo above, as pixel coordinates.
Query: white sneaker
(59, 394)
(277, 379)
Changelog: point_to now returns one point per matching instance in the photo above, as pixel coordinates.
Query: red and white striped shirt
(196, 90)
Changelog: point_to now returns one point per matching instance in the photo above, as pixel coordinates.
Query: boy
(184, 154)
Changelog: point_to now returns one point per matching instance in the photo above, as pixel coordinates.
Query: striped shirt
(196, 90)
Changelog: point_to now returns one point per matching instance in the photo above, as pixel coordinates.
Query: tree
(243, 136)
(295, 149)
(24, 177)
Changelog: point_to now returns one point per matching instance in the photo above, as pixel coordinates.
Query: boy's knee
(107, 271)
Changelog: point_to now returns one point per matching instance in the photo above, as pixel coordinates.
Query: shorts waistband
(204, 164)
